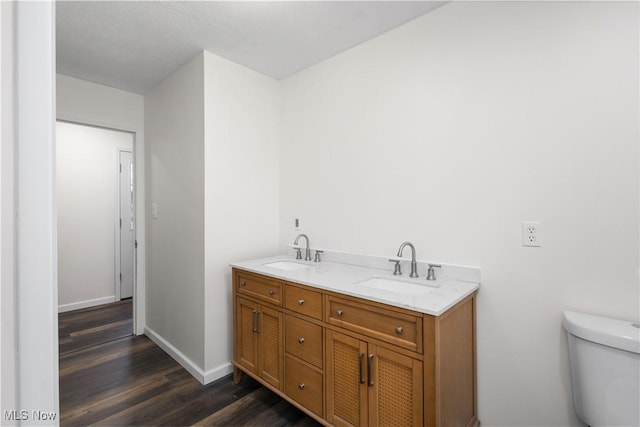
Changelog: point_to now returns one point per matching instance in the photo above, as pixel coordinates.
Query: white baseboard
(176, 354)
(218, 372)
(84, 304)
(185, 362)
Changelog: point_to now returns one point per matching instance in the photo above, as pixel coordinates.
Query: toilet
(604, 355)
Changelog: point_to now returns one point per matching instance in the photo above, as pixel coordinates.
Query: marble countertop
(430, 297)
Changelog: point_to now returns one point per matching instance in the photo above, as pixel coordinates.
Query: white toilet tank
(604, 355)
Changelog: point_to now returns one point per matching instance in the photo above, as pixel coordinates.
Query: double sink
(379, 283)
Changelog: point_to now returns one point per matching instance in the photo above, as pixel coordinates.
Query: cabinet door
(346, 377)
(395, 392)
(246, 343)
(271, 346)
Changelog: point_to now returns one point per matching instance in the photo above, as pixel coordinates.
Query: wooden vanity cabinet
(370, 381)
(348, 361)
(369, 385)
(259, 340)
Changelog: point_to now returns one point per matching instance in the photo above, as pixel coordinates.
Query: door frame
(139, 279)
(117, 225)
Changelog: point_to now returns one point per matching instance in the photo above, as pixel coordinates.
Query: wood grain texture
(303, 339)
(455, 356)
(383, 365)
(304, 385)
(130, 381)
(303, 301)
(88, 327)
(260, 287)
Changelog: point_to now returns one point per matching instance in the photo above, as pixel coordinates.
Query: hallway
(92, 326)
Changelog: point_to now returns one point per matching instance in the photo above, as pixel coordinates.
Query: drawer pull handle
(301, 340)
(243, 283)
(300, 301)
(271, 292)
(301, 386)
(399, 330)
(339, 312)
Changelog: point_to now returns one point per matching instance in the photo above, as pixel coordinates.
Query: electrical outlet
(531, 234)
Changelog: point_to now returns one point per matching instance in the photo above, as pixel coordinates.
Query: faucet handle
(317, 257)
(396, 269)
(431, 274)
(298, 253)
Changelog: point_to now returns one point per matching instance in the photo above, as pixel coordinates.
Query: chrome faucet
(307, 254)
(414, 264)
(431, 274)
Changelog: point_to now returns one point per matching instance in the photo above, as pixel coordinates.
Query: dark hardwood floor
(88, 327)
(128, 380)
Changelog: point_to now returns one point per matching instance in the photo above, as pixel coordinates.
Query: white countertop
(436, 298)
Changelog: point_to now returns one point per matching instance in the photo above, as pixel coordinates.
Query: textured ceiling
(133, 45)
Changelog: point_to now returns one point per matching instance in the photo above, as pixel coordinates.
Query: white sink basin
(397, 286)
(287, 265)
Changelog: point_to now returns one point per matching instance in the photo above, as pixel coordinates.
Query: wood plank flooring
(88, 327)
(129, 381)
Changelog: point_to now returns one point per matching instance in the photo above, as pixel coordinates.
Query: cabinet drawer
(303, 339)
(259, 287)
(387, 325)
(303, 301)
(304, 385)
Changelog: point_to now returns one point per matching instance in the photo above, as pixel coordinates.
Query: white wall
(90, 103)
(8, 343)
(212, 147)
(99, 105)
(242, 119)
(174, 123)
(87, 202)
(453, 129)
(37, 288)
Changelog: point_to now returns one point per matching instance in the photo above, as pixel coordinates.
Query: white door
(127, 235)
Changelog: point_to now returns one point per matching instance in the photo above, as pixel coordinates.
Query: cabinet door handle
(243, 283)
(300, 301)
(254, 320)
(271, 292)
(369, 369)
(340, 313)
(360, 368)
(301, 340)
(258, 322)
(399, 330)
(301, 386)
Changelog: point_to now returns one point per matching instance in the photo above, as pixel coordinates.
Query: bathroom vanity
(355, 345)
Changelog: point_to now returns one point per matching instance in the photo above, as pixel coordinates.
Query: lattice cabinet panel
(395, 393)
(369, 385)
(259, 340)
(346, 380)
(245, 339)
(271, 346)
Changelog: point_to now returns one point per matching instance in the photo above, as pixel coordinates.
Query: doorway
(125, 241)
(95, 177)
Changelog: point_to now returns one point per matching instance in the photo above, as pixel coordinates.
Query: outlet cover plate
(532, 234)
